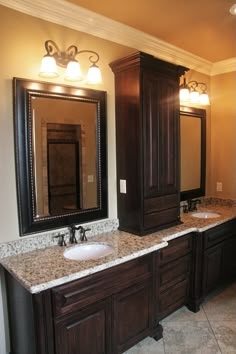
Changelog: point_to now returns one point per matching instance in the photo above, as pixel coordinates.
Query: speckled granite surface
(45, 239)
(45, 268)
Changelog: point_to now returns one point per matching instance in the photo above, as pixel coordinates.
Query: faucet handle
(83, 236)
(61, 239)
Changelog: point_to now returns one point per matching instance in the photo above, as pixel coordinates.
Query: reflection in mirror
(64, 147)
(192, 152)
(61, 174)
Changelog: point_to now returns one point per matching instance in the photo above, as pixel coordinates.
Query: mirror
(60, 147)
(192, 152)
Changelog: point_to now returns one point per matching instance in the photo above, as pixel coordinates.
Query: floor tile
(221, 305)
(225, 333)
(189, 338)
(147, 346)
(183, 314)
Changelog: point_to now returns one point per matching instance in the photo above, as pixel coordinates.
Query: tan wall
(22, 49)
(223, 134)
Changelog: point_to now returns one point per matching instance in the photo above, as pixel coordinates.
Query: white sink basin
(88, 251)
(205, 214)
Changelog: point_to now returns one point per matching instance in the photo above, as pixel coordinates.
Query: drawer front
(160, 203)
(219, 233)
(176, 248)
(159, 218)
(173, 298)
(175, 272)
(80, 293)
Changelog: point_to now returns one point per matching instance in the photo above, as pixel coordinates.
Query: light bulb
(48, 67)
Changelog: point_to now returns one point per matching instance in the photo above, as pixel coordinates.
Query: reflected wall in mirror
(192, 152)
(60, 144)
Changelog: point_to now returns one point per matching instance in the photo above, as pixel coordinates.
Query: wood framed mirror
(60, 149)
(192, 152)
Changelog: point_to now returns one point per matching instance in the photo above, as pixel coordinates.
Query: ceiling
(202, 27)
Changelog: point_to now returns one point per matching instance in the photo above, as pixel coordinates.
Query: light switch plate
(123, 186)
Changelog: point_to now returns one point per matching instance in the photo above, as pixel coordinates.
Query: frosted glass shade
(94, 75)
(194, 97)
(73, 71)
(48, 67)
(184, 94)
(204, 99)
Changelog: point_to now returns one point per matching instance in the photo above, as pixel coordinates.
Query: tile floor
(210, 331)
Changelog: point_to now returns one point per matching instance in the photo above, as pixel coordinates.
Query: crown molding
(72, 16)
(223, 66)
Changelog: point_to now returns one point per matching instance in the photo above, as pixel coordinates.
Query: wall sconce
(194, 92)
(67, 60)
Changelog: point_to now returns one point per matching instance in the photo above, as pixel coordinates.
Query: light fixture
(66, 59)
(194, 92)
(232, 10)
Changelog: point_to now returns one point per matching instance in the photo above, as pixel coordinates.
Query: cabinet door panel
(229, 259)
(160, 134)
(132, 313)
(212, 267)
(85, 332)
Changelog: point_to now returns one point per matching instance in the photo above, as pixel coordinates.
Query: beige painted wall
(22, 49)
(223, 135)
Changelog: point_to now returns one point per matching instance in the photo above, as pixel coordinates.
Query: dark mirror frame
(197, 113)
(23, 91)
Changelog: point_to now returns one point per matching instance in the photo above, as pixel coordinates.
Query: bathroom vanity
(108, 305)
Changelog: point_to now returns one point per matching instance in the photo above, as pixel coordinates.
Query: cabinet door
(161, 131)
(229, 259)
(85, 332)
(212, 267)
(132, 316)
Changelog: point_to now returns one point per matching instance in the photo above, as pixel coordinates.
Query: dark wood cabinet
(174, 275)
(147, 141)
(132, 315)
(104, 313)
(87, 331)
(219, 259)
(110, 311)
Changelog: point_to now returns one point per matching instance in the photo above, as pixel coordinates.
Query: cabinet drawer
(219, 233)
(82, 292)
(176, 248)
(160, 203)
(173, 298)
(175, 272)
(159, 218)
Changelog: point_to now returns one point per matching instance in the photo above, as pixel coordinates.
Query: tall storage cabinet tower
(147, 140)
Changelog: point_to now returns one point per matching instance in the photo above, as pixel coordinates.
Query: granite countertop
(44, 268)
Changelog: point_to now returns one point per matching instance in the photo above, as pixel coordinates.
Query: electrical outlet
(219, 186)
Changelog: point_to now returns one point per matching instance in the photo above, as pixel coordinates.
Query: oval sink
(205, 214)
(88, 251)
